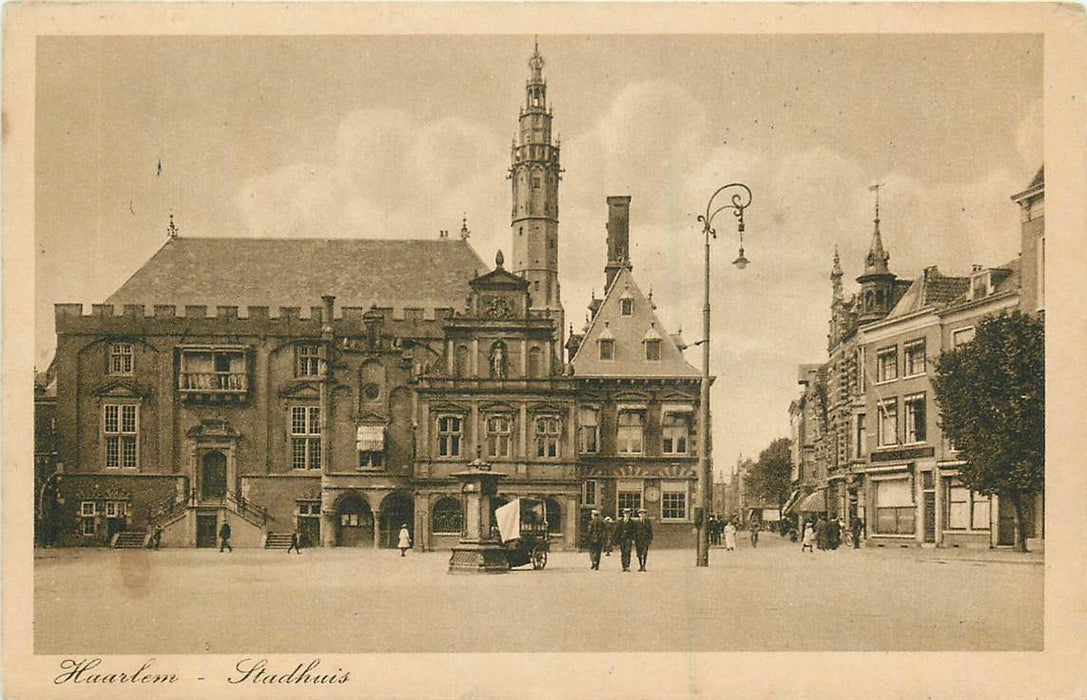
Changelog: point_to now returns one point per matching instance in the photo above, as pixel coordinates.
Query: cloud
(391, 175)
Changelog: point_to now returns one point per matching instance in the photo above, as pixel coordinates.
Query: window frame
(623, 488)
(911, 401)
(448, 444)
(585, 499)
(897, 512)
(860, 434)
(547, 431)
(309, 438)
(123, 351)
(626, 306)
(307, 361)
(887, 408)
(672, 488)
(955, 334)
(493, 439)
(606, 343)
(460, 516)
(125, 441)
(909, 352)
(890, 351)
(675, 427)
(621, 428)
(652, 343)
(951, 484)
(592, 430)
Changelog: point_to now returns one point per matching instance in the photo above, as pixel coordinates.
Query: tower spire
(836, 275)
(876, 261)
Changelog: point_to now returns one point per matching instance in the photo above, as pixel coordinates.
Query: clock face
(652, 494)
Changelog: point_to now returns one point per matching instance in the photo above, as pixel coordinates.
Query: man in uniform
(595, 537)
(624, 536)
(643, 537)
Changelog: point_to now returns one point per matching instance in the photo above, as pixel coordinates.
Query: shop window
(964, 509)
(895, 510)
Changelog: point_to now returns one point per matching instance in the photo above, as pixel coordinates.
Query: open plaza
(333, 600)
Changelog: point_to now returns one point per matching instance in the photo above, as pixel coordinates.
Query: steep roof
(277, 272)
(628, 332)
(932, 288)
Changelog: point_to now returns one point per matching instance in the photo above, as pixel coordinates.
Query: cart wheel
(539, 558)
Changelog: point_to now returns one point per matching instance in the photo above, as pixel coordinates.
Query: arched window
(535, 363)
(554, 515)
(446, 517)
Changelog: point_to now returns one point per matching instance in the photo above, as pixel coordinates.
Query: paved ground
(773, 598)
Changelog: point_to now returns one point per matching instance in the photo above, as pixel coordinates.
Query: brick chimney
(618, 238)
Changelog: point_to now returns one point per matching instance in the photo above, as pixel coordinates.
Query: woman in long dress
(808, 541)
(403, 539)
(730, 536)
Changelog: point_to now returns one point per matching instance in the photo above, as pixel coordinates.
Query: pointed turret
(836, 276)
(878, 282)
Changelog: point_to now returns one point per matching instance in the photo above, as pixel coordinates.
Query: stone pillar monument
(478, 552)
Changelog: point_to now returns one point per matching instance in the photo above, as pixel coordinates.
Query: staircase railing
(248, 510)
(167, 511)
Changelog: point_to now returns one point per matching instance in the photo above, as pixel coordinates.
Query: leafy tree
(991, 394)
(769, 477)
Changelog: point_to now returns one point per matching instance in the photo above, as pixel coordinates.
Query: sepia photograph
(361, 343)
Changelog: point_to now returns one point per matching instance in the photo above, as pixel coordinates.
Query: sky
(401, 136)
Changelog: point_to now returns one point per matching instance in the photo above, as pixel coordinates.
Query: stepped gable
(629, 334)
(289, 272)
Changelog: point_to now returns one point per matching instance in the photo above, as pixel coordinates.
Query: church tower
(877, 282)
(535, 173)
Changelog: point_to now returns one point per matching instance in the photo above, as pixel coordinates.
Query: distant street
(358, 601)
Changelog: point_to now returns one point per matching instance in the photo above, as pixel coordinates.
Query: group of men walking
(628, 534)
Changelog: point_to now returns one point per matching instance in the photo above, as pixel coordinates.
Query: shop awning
(813, 503)
(789, 503)
(370, 438)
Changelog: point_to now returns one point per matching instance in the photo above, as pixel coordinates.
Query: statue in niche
(498, 360)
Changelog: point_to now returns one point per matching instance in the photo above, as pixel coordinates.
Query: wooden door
(206, 530)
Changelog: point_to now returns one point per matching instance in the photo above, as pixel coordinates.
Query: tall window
(120, 358)
(449, 436)
(888, 422)
(307, 363)
(861, 445)
(887, 364)
(915, 417)
(915, 358)
(499, 428)
(121, 431)
(607, 349)
(87, 511)
(589, 431)
(305, 437)
(653, 350)
(370, 444)
(962, 337)
(548, 432)
(674, 500)
(674, 431)
(626, 307)
(446, 517)
(862, 372)
(629, 432)
(590, 493)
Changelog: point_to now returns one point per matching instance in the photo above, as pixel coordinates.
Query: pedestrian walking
(807, 541)
(858, 531)
(821, 533)
(834, 533)
(156, 539)
(224, 537)
(595, 538)
(403, 539)
(296, 543)
(756, 525)
(643, 537)
(609, 535)
(624, 537)
(730, 536)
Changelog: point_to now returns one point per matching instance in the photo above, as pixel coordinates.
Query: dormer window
(979, 285)
(607, 349)
(626, 306)
(653, 350)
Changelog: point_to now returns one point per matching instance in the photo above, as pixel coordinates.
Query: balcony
(219, 382)
(213, 374)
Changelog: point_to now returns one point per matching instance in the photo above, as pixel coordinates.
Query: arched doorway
(213, 475)
(354, 521)
(397, 509)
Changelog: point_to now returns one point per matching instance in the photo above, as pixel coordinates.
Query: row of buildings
(866, 429)
(333, 386)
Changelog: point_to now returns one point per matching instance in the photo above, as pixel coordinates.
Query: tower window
(535, 182)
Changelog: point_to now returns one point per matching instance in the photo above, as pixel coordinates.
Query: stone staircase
(132, 539)
(277, 540)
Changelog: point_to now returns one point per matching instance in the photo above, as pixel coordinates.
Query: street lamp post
(739, 200)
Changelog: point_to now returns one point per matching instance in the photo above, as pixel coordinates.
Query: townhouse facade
(880, 442)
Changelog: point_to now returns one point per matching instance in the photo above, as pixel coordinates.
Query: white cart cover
(509, 520)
